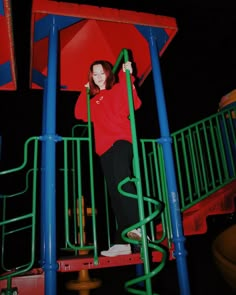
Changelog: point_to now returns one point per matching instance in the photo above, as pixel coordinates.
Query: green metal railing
(18, 215)
(155, 186)
(78, 179)
(205, 161)
(205, 155)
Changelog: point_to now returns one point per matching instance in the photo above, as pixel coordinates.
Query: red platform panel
(31, 283)
(72, 264)
(7, 48)
(195, 218)
(220, 202)
(100, 33)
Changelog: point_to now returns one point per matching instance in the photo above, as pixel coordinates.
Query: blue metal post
(139, 273)
(49, 223)
(42, 208)
(0, 147)
(165, 140)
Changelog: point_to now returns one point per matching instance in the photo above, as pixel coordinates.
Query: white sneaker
(119, 249)
(136, 234)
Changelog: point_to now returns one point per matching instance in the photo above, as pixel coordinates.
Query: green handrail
(21, 220)
(205, 155)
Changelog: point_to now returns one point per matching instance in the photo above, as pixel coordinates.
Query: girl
(113, 142)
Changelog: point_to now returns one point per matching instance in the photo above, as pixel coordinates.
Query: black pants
(117, 165)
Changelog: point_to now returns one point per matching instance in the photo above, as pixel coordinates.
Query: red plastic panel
(79, 50)
(220, 202)
(102, 34)
(7, 45)
(72, 264)
(27, 284)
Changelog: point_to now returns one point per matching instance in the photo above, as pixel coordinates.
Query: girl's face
(99, 76)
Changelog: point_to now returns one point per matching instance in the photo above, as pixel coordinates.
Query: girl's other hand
(127, 66)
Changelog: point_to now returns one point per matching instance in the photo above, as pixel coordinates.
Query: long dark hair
(110, 76)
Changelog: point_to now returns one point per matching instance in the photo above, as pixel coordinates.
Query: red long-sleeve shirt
(109, 114)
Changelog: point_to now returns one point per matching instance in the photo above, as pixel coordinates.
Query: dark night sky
(198, 68)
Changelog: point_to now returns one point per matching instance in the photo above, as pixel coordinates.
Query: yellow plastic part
(84, 283)
(227, 100)
(224, 253)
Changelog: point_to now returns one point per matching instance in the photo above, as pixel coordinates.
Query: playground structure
(203, 156)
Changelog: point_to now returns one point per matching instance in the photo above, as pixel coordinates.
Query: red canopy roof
(7, 58)
(88, 33)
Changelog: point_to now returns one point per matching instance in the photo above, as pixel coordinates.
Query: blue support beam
(165, 139)
(39, 79)
(42, 26)
(49, 137)
(5, 73)
(2, 12)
